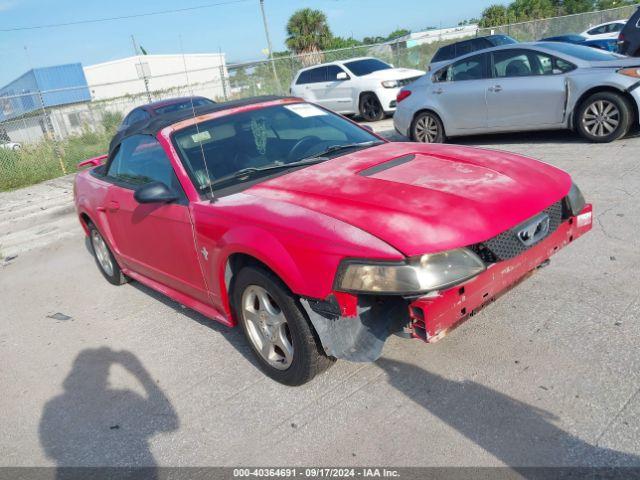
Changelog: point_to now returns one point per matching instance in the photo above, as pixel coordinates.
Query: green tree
(341, 42)
(494, 16)
(308, 34)
(577, 6)
(523, 10)
(607, 4)
(400, 32)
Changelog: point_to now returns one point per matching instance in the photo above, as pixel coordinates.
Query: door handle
(496, 88)
(113, 206)
(438, 91)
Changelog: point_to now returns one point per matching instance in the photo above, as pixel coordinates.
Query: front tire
(371, 108)
(276, 327)
(604, 117)
(427, 128)
(104, 258)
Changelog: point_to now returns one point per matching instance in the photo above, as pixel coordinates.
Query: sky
(236, 29)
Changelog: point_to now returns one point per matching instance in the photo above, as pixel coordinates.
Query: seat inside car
(517, 68)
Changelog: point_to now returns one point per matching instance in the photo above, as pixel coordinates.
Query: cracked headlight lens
(422, 274)
(576, 200)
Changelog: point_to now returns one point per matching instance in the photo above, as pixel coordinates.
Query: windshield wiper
(251, 172)
(339, 148)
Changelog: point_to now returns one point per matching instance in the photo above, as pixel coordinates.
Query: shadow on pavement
(517, 434)
(94, 425)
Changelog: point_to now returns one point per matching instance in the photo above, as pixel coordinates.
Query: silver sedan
(527, 86)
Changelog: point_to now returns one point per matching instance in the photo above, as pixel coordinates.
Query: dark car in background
(458, 49)
(629, 40)
(608, 44)
(170, 105)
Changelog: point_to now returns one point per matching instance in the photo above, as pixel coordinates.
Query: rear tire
(427, 128)
(371, 108)
(105, 260)
(604, 117)
(276, 327)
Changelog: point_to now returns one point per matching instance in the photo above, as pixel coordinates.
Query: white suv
(365, 86)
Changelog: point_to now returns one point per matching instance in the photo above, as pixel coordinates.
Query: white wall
(120, 77)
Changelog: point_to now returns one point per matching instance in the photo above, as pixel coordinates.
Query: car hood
(424, 198)
(394, 74)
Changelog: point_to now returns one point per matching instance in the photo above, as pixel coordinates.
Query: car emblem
(534, 230)
(205, 253)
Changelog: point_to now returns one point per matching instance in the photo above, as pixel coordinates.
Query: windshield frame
(210, 192)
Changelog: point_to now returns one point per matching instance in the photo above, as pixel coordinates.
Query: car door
(313, 90)
(458, 92)
(155, 240)
(528, 90)
(337, 94)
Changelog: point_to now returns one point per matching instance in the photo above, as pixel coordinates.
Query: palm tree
(308, 34)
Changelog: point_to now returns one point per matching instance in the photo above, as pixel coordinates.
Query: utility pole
(266, 32)
(142, 73)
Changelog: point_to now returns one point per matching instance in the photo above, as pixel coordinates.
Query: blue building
(43, 87)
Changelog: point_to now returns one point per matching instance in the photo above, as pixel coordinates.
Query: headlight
(418, 275)
(630, 72)
(390, 84)
(575, 200)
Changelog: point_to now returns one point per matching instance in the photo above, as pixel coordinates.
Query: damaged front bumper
(355, 328)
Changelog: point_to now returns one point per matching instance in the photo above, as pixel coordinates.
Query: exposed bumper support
(358, 338)
(356, 328)
(433, 317)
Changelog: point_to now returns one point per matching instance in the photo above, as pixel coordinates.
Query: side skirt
(206, 310)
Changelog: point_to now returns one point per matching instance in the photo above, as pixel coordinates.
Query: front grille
(507, 245)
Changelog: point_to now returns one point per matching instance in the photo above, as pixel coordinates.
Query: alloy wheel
(371, 108)
(426, 129)
(601, 118)
(102, 252)
(267, 327)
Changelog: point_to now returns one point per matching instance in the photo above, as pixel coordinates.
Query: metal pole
(48, 124)
(144, 75)
(266, 32)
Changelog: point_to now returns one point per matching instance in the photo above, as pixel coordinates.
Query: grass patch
(43, 161)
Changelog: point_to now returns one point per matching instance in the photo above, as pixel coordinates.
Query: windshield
(366, 66)
(265, 140)
(583, 53)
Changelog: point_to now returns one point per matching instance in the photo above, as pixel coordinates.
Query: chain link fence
(39, 141)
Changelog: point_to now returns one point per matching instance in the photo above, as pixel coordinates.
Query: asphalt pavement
(93, 374)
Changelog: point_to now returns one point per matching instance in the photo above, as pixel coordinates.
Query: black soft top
(153, 125)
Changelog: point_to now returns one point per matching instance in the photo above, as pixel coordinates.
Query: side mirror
(154, 192)
(342, 76)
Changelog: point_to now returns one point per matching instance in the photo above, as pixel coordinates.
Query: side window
(615, 27)
(136, 115)
(445, 53)
(304, 77)
(598, 30)
(140, 159)
(319, 75)
(472, 68)
(332, 72)
(465, 47)
(550, 65)
(512, 63)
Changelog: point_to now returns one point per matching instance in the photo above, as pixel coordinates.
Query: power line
(123, 17)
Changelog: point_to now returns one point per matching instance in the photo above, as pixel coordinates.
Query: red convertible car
(318, 237)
